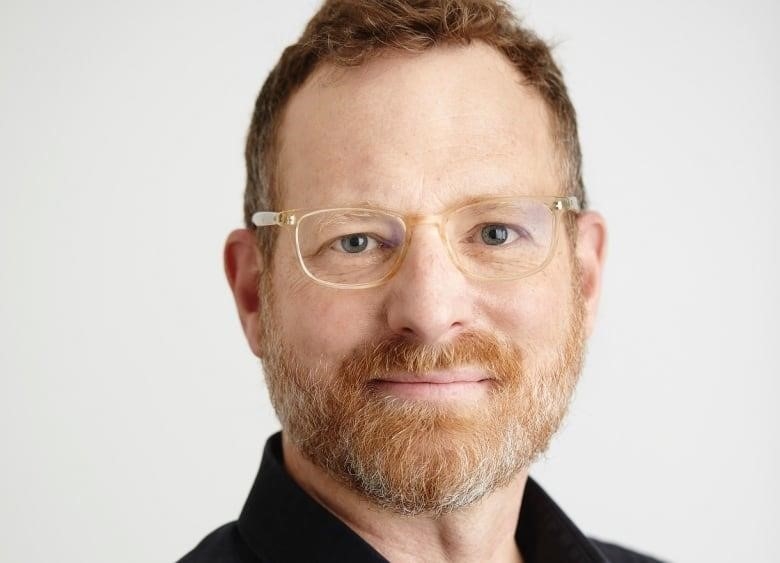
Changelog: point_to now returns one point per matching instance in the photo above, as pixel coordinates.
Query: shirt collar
(281, 522)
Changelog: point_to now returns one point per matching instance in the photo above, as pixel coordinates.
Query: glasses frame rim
(293, 218)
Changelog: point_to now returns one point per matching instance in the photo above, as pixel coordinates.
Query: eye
(497, 234)
(356, 243)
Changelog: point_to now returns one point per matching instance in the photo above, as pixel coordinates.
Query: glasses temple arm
(267, 218)
(570, 203)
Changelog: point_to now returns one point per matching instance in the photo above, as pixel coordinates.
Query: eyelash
(519, 232)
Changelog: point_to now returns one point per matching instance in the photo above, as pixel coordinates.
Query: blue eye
(495, 234)
(354, 243)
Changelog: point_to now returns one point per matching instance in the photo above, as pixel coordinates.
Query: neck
(484, 531)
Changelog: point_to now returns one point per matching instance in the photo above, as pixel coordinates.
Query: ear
(243, 265)
(591, 253)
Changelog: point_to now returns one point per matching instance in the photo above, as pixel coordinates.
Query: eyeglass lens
(502, 239)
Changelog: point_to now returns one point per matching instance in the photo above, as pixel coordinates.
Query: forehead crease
(386, 156)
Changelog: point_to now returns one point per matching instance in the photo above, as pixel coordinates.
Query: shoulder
(616, 554)
(223, 545)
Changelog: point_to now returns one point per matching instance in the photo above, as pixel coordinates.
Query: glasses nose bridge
(413, 221)
(438, 221)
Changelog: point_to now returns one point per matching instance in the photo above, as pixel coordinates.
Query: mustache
(500, 359)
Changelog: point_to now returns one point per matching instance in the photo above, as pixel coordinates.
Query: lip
(436, 377)
(443, 385)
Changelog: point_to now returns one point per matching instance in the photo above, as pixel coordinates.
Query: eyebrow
(367, 203)
(459, 202)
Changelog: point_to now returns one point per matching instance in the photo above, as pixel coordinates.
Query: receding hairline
(333, 70)
(328, 73)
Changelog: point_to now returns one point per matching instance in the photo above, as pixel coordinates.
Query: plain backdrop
(132, 414)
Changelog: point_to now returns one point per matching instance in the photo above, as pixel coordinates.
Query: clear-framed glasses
(502, 238)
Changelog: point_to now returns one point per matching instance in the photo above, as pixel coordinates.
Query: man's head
(434, 388)
(349, 33)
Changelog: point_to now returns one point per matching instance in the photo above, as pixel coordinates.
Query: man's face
(419, 134)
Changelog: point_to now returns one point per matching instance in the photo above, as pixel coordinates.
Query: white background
(132, 414)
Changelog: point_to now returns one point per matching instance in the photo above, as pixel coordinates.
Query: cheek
(321, 322)
(534, 312)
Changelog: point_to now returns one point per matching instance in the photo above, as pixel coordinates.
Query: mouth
(440, 385)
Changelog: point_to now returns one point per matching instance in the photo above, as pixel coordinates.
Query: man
(418, 275)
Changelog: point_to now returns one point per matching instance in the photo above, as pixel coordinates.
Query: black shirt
(281, 523)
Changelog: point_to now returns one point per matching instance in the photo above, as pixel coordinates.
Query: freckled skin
(418, 134)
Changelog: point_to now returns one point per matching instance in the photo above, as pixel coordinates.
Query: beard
(422, 457)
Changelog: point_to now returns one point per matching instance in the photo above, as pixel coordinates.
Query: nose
(429, 299)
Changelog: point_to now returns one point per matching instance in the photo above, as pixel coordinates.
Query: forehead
(417, 132)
